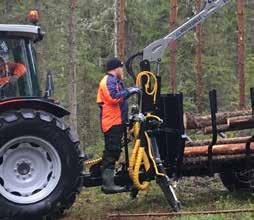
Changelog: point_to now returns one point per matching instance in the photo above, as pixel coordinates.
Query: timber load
(224, 156)
(223, 141)
(226, 121)
(221, 149)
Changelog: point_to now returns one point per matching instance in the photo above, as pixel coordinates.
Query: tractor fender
(47, 105)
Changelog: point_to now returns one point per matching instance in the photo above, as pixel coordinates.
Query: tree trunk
(173, 45)
(224, 149)
(72, 79)
(220, 128)
(241, 73)
(115, 28)
(237, 140)
(198, 65)
(198, 165)
(234, 124)
(192, 121)
(121, 29)
(245, 121)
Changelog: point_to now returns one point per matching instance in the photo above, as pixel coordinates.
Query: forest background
(81, 35)
(93, 24)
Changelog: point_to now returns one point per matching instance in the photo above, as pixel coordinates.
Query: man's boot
(108, 185)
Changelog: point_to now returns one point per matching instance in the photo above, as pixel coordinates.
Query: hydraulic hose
(150, 78)
(137, 159)
(92, 162)
(133, 158)
(139, 156)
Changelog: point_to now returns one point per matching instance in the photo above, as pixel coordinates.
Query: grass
(195, 193)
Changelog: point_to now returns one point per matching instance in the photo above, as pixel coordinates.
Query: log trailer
(41, 161)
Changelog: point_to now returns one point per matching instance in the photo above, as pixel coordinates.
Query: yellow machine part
(92, 162)
(139, 156)
(151, 85)
(137, 159)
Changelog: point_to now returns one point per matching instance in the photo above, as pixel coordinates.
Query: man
(112, 99)
(9, 72)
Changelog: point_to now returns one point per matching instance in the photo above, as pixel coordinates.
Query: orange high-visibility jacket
(16, 69)
(112, 99)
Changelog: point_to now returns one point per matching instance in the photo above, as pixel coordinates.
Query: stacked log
(226, 121)
(233, 124)
(222, 149)
(238, 122)
(237, 140)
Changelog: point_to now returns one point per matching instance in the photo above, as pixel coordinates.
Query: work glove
(134, 90)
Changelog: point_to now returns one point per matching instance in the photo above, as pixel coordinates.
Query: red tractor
(41, 162)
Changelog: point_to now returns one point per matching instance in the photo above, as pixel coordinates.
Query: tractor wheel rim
(30, 169)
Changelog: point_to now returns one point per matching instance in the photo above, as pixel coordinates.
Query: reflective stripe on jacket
(112, 99)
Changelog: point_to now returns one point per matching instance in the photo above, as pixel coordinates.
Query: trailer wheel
(238, 180)
(40, 165)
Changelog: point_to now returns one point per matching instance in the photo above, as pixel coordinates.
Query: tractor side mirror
(49, 85)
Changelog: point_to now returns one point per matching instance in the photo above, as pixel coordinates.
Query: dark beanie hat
(113, 64)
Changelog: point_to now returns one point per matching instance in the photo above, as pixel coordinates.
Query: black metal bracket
(248, 144)
(248, 162)
(248, 152)
(145, 65)
(213, 108)
(129, 64)
(164, 181)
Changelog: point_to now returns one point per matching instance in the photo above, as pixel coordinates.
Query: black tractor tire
(39, 149)
(238, 180)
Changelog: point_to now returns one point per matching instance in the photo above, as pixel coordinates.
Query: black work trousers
(112, 149)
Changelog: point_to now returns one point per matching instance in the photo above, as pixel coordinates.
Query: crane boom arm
(154, 51)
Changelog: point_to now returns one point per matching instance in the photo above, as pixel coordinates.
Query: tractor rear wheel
(238, 180)
(41, 165)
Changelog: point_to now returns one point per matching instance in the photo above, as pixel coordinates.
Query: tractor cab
(18, 66)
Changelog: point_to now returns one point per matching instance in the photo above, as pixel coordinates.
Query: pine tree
(72, 85)
(173, 45)
(198, 65)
